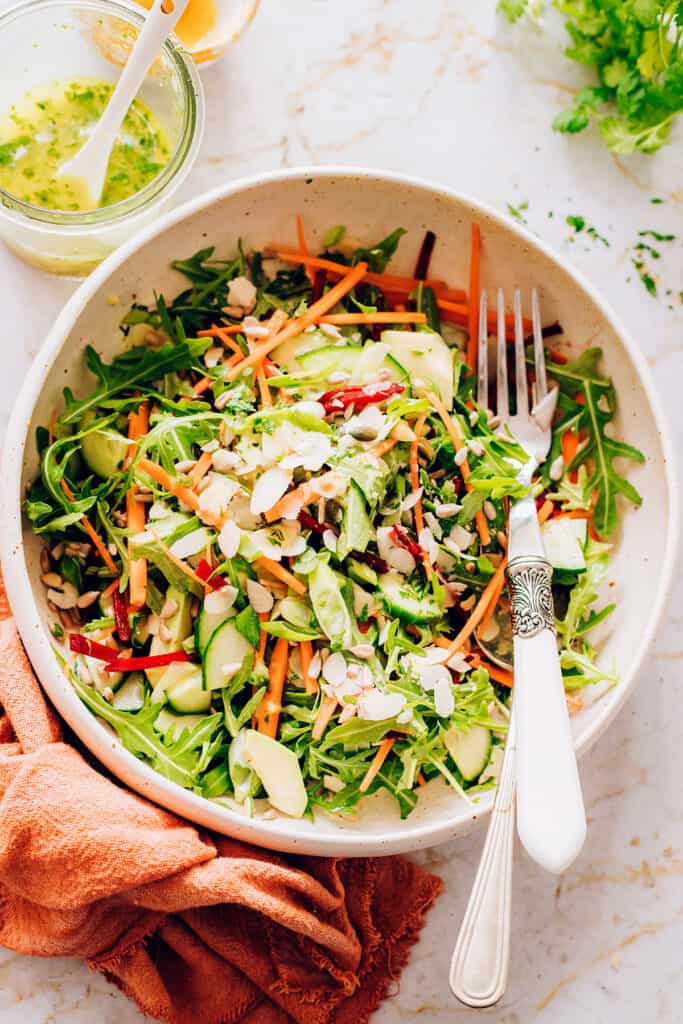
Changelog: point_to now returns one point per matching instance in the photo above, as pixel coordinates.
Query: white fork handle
(479, 968)
(550, 814)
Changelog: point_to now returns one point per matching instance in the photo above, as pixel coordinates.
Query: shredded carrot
(314, 312)
(202, 385)
(108, 591)
(200, 468)
(421, 781)
(380, 449)
(458, 445)
(473, 296)
(312, 490)
(301, 239)
(570, 445)
(217, 331)
(574, 703)
(184, 494)
(477, 613)
(387, 282)
(574, 513)
(306, 654)
(322, 719)
(280, 573)
(268, 712)
(378, 760)
(459, 313)
(223, 335)
(264, 390)
(501, 675)
(137, 580)
(341, 319)
(99, 544)
(545, 511)
(263, 637)
(495, 598)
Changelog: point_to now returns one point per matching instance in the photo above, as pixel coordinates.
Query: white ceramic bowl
(370, 204)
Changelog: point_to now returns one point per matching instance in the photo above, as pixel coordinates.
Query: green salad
(275, 530)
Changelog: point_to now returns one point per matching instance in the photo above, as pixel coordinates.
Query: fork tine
(539, 351)
(483, 355)
(520, 359)
(502, 401)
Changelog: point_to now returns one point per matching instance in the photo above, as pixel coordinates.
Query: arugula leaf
(135, 367)
(378, 256)
(593, 414)
(577, 620)
(175, 759)
(247, 623)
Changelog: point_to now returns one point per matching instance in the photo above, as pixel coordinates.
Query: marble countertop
(445, 90)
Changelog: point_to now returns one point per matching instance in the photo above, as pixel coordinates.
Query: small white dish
(370, 203)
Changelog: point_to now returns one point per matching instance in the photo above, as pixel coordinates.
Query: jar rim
(186, 74)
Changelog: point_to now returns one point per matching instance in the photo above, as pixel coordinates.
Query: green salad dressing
(46, 128)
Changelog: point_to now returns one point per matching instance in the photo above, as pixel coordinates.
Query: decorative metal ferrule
(531, 599)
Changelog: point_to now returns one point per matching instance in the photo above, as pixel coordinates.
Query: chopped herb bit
(516, 211)
(657, 235)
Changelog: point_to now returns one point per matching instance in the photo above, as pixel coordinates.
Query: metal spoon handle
(479, 968)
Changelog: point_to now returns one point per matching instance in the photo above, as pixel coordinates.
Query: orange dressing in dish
(197, 21)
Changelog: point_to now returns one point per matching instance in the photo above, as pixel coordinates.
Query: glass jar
(48, 41)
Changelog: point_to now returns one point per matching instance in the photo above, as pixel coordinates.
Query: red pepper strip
(150, 661)
(318, 285)
(363, 627)
(424, 256)
(205, 573)
(80, 644)
(311, 523)
(340, 398)
(121, 616)
(402, 537)
(374, 561)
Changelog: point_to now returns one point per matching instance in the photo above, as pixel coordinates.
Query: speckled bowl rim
(144, 779)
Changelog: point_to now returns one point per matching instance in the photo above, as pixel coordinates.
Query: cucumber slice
(131, 695)
(278, 769)
(377, 357)
(207, 624)
(361, 573)
(287, 354)
(470, 750)
(403, 602)
(103, 450)
(245, 782)
(181, 723)
(564, 540)
(331, 358)
(189, 696)
(227, 646)
(172, 676)
(180, 627)
(426, 357)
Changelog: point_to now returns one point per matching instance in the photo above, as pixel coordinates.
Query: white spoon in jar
(91, 161)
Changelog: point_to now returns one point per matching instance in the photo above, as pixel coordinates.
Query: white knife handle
(481, 958)
(551, 820)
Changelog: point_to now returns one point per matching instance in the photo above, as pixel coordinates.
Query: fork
(539, 754)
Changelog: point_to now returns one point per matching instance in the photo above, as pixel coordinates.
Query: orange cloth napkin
(192, 926)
